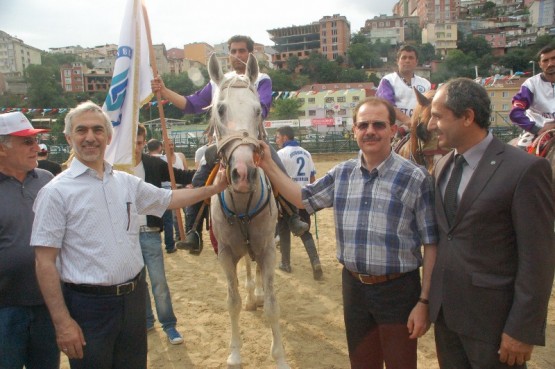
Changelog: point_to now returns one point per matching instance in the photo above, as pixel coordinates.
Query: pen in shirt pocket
(128, 214)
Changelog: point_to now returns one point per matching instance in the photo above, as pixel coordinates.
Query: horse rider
(534, 104)
(397, 87)
(239, 49)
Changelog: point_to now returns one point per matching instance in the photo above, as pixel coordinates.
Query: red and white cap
(16, 124)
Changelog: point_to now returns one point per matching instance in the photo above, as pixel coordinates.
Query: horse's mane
(423, 113)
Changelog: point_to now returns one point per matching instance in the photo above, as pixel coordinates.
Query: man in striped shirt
(384, 211)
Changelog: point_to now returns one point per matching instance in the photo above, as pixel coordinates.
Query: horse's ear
(215, 70)
(252, 68)
(422, 100)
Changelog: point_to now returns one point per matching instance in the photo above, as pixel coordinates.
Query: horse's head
(422, 114)
(236, 120)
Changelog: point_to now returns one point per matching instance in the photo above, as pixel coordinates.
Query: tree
(180, 83)
(44, 90)
(286, 109)
(426, 53)
(282, 80)
(518, 60)
(292, 63)
(352, 75)
(475, 45)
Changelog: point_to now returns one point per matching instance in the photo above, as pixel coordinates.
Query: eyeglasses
(376, 125)
(30, 141)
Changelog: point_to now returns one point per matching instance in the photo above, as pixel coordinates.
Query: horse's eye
(258, 111)
(221, 110)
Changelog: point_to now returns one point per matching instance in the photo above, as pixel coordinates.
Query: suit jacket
(156, 172)
(494, 267)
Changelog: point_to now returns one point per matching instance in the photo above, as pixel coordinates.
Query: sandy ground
(311, 313)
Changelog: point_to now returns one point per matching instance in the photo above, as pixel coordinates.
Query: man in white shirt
(88, 258)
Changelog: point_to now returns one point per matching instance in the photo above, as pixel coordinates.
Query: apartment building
(198, 51)
(15, 55)
(442, 35)
(391, 29)
(501, 93)
(77, 77)
(330, 36)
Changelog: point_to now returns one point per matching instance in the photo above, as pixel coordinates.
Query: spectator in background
(300, 167)
(44, 163)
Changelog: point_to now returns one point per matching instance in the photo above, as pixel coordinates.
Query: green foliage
(285, 109)
(518, 60)
(426, 53)
(476, 46)
(352, 75)
(292, 63)
(456, 64)
(282, 80)
(44, 87)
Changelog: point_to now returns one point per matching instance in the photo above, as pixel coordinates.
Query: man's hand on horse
(265, 156)
(220, 182)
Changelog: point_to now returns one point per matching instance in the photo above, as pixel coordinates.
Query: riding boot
(312, 252)
(193, 239)
(285, 245)
(291, 216)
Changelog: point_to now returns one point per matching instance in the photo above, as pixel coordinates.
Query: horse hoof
(250, 306)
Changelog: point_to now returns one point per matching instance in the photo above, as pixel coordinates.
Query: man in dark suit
(495, 258)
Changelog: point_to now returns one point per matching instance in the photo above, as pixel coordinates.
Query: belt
(115, 290)
(375, 279)
(148, 229)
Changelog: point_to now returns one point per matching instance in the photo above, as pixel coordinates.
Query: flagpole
(163, 122)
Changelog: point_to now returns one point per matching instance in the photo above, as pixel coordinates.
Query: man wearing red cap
(27, 336)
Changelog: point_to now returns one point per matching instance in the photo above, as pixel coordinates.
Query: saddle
(541, 145)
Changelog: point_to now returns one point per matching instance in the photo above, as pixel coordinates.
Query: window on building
(329, 99)
(68, 87)
(301, 113)
(311, 100)
(505, 93)
(330, 113)
(312, 113)
(492, 106)
(356, 98)
(342, 112)
(505, 107)
(341, 99)
(492, 94)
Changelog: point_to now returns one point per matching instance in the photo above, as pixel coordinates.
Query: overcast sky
(55, 23)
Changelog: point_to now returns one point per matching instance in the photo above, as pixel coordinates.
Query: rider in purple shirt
(239, 49)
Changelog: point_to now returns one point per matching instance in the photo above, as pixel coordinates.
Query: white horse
(244, 216)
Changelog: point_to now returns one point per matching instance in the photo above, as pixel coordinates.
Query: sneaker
(285, 267)
(174, 336)
(296, 225)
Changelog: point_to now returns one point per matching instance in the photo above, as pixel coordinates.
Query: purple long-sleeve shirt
(200, 100)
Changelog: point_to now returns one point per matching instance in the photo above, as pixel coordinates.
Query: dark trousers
(456, 351)
(114, 328)
(376, 321)
(27, 338)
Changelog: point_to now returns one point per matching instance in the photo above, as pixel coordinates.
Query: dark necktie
(450, 197)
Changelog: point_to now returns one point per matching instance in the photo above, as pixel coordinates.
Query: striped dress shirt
(94, 223)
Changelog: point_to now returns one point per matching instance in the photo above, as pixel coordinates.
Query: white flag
(130, 88)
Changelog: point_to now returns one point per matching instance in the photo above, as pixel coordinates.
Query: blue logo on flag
(118, 89)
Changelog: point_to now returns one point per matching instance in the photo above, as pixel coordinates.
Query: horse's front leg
(251, 301)
(259, 289)
(233, 306)
(271, 307)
